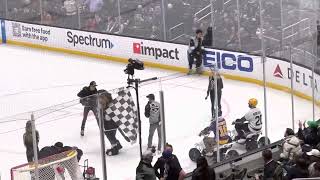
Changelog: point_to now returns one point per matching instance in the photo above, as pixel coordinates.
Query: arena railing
(250, 160)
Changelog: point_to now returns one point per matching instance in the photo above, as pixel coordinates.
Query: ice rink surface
(33, 79)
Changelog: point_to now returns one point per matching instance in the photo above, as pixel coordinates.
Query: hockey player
(250, 122)
(89, 103)
(195, 51)
(210, 142)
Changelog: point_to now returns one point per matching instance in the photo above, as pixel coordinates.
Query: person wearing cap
(89, 103)
(314, 167)
(152, 111)
(169, 166)
(291, 146)
(145, 170)
(195, 51)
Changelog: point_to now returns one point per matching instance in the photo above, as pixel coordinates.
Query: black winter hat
(151, 96)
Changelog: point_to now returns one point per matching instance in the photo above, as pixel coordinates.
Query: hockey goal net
(63, 166)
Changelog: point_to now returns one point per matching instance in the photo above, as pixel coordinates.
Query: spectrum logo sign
(140, 48)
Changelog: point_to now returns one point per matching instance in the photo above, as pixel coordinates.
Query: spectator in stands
(70, 20)
(169, 165)
(46, 18)
(94, 5)
(28, 141)
(291, 146)
(309, 135)
(314, 167)
(300, 170)
(272, 170)
(89, 103)
(207, 40)
(203, 171)
(145, 171)
(91, 23)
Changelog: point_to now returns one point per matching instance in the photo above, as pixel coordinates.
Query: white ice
(33, 79)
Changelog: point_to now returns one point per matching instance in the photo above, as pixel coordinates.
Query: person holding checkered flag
(121, 115)
(152, 111)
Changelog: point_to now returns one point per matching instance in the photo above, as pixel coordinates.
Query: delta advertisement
(281, 73)
(112, 46)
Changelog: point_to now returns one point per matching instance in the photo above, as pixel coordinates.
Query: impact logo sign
(277, 72)
(228, 61)
(298, 76)
(140, 48)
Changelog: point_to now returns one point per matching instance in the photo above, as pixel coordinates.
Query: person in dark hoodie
(89, 103)
(207, 39)
(203, 172)
(28, 141)
(145, 171)
(300, 170)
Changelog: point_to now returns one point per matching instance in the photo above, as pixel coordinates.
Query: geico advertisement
(228, 60)
(29, 32)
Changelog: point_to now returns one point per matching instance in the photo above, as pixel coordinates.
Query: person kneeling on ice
(251, 122)
(210, 142)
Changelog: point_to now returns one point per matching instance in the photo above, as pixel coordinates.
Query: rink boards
(170, 56)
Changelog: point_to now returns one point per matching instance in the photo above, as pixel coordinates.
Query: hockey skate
(199, 70)
(82, 132)
(112, 152)
(190, 72)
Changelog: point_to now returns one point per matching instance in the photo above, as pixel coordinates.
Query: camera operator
(195, 51)
(88, 100)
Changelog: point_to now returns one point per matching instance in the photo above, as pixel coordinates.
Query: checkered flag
(123, 112)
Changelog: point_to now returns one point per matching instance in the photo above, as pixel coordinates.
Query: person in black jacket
(203, 172)
(300, 170)
(211, 92)
(195, 51)
(271, 170)
(169, 166)
(89, 103)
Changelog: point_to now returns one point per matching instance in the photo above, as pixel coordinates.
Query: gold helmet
(253, 102)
